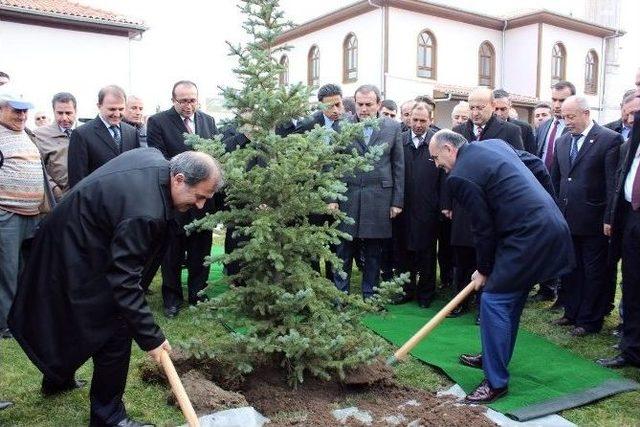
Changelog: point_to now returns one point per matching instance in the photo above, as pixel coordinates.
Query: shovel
(402, 352)
(178, 390)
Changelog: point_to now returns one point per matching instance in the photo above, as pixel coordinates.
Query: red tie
(548, 157)
(187, 125)
(635, 191)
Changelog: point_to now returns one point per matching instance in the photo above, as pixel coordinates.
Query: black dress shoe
(171, 312)
(542, 296)
(619, 361)
(485, 394)
(403, 299)
(199, 298)
(556, 306)
(6, 334)
(128, 422)
(424, 303)
(563, 321)
(4, 404)
(458, 311)
(472, 360)
(579, 331)
(50, 389)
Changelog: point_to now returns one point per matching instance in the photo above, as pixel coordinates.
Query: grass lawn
(20, 380)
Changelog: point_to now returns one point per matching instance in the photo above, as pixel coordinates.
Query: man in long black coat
(502, 104)
(520, 238)
(165, 131)
(82, 292)
(415, 230)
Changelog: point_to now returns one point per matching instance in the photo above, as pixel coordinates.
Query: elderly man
(22, 192)
(103, 138)
(460, 113)
(41, 119)
(134, 116)
(583, 176)
(373, 198)
(82, 294)
(521, 238)
(405, 114)
(53, 142)
(165, 131)
(541, 113)
(503, 107)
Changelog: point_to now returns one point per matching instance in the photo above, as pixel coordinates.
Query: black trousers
(110, 368)
(630, 343)
(421, 266)
(585, 288)
(387, 261)
(191, 250)
(464, 261)
(445, 252)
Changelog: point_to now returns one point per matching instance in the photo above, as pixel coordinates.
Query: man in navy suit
(165, 131)
(521, 238)
(101, 139)
(583, 174)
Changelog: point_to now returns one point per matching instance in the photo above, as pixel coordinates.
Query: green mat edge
(569, 401)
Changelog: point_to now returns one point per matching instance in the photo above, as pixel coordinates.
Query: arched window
(558, 63)
(591, 73)
(427, 55)
(486, 65)
(313, 66)
(284, 72)
(350, 58)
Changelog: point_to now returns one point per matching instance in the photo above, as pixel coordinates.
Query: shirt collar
(107, 124)
(585, 132)
(327, 120)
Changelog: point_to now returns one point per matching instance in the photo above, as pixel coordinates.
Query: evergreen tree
(290, 313)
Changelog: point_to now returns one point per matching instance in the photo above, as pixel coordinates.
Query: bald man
(460, 113)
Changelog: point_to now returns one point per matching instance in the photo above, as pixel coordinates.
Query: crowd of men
(406, 219)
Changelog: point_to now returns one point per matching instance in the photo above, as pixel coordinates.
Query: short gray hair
(581, 102)
(196, 167)
(446, 136)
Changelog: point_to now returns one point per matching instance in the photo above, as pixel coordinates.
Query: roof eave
(567, 22)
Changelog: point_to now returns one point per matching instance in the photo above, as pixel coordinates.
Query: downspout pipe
(603, 73)
(382, 36)
(504, 29)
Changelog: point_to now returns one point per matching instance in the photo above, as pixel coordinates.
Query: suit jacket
(520, 235)
(91, 146)
(538, 169)
(615, 125)
(370, 195)
(541, 135)
(166, 129)
(585, 188)
(89, 263)
(493, 129)
(54, 149)
(417, 226)
(528, 137)
(317, 118)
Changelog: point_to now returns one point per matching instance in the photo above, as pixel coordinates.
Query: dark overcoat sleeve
(131, 247)
(78, 159)
(529, 139)
(539, 170)
(555, 173)
(610, 167)
(473, 201)
(396, 151)
(514, 137)
(155, 137)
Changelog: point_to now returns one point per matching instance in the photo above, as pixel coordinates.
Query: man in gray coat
(373, 197)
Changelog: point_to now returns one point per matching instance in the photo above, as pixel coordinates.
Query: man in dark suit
(502, 105)
(375, 197)
(482, 125)
(521, 238)
(624, 215)
(415, 230)
(165, 131)
(82, 292)
(583, 175)
(622, 123)
(101, 139)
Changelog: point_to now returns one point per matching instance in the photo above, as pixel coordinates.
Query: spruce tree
(286, 312)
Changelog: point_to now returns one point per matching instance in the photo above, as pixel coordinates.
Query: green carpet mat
(545, 378)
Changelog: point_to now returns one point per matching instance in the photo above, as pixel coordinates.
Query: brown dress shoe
(472, 360)
(563, 321)
(485, 394)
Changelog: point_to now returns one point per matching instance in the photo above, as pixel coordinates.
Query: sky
(186, 40)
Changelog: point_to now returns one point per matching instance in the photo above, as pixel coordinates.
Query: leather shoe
(128, 422)
(6, 333)
(579, 331)
(171, 312)
(424, 303)
(199, 298)
(478, 319)
(472, 360)
(458, 311)
(403, 299)
(4, 404)
(485, 393)
(542, 296)
(563, 321)
(52, 390)
(619, 361)
(556, 306)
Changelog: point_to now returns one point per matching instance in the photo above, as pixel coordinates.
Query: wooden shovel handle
(178, 390)
(402, 352)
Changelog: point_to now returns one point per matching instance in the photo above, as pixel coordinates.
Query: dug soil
(383, 403)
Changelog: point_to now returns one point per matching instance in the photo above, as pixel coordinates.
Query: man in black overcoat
(520, 239)
(502, 104)
(165, 131)
(81, 294)
(415, 230)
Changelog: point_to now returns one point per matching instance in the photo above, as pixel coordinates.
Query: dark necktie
(548, 157)
(480, 129)
(574, 148)
(117, 137)
(187, 124)
(635, 191)
(67, 132)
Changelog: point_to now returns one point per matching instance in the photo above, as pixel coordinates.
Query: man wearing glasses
(165, 131)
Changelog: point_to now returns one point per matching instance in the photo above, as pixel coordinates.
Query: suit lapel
(128, 137)
(490, 129)
(177, 120)
(588, 142)
(104, 134)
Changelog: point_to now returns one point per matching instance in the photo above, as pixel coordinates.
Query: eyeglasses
(192, 101)
(41, 118)
(477, 107)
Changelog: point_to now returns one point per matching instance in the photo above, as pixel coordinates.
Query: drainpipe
(603, 72)
(504, 29)
(383, 82)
